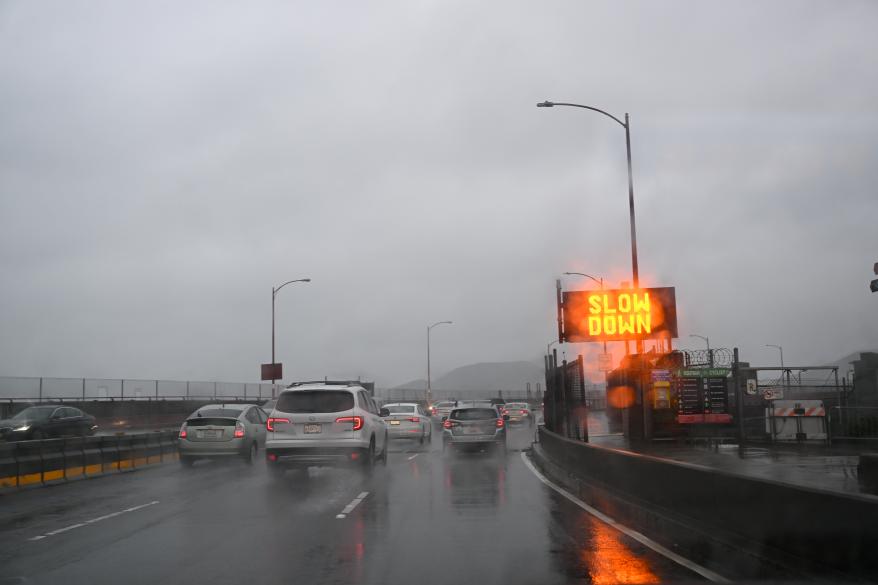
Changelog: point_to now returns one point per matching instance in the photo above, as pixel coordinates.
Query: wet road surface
(425, 518)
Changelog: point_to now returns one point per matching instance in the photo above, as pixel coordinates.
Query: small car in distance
(440, 410)
(520, 412)
(222, 430)
(47, 422)
(407, 420)
(474, 427)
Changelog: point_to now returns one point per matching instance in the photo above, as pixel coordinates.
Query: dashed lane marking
(350, 507)
(642, 539)
(413, 456)
(92, 521)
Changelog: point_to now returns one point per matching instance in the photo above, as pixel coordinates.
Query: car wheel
(250, 455)
(369, 457)
(186, 461)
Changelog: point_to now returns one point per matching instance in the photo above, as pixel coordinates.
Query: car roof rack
(327, 383)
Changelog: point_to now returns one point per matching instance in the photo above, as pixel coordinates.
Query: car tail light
(414, 419)
(523, 411)
(239, 430)
(500, 423)
(447, 424)
(183, 431)
(356, 420)
(269, 424)
(272, 457)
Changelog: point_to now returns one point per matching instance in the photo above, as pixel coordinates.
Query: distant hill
(485, 376)
(844, 364)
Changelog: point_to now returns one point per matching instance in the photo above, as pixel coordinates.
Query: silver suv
(323, 424)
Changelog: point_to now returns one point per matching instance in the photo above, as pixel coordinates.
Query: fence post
(40, 399)
(83, 389)
(187, 389)
(214, 391)
(156, 389)
(122, 390)
(739, 397)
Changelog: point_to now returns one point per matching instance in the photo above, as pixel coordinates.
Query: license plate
(210, 434)
(472, 431)
(312, 429)
(394, 422)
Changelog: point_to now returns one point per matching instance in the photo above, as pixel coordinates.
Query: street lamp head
(545, 104)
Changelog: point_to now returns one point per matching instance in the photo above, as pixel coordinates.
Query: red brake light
(500, 423)
(269, 424)
(523, 411)
(183, 431)
(414, 419)
(356, 420)
(446, 424)
(239, 430)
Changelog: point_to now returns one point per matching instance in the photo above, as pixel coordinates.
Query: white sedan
(408, 420)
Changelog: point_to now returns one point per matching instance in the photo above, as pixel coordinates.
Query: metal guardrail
(41, 389)
(48, 461)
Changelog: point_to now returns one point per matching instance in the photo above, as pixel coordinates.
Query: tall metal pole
(274, 291)
(429, 396)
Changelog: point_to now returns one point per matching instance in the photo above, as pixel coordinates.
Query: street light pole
(274, 291)
(429, 396)
(627, 126)
(782, 369)
(707, 341)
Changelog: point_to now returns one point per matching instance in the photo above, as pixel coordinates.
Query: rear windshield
(473, 414)
(315, 401)
(516, 405)
(211, 422)
(400, 408)
(444, 404)
(220, 412)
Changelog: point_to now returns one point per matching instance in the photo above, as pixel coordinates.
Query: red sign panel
(272, 372)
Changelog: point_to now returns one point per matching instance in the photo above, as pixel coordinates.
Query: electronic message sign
(619, 314)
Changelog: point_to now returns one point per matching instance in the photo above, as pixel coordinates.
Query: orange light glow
(610, 561)
(620, 396)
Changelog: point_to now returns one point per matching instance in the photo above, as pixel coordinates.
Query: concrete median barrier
(831, 533)
(29, 463)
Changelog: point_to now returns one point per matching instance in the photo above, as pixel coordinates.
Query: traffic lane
(470, 518)
(479, 518)
(206, 517)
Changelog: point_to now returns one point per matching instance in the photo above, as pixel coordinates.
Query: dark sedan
(47, 422)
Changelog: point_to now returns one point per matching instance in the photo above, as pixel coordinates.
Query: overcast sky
(163, 164)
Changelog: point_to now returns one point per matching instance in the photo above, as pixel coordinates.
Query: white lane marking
(350, 507)
(642, 539)
(413, 456)
(92, 521)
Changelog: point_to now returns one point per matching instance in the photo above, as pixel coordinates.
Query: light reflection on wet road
(426, 518)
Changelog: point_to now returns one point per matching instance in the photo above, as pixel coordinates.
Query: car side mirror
(444, 418)
(383, 412)
(505, 417)
(55, 417)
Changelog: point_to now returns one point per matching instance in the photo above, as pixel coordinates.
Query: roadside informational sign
(751, 387)
(619, 315)
(605, 362)
(702, 396)
(661, 389)
(272, 372)
(772, 393)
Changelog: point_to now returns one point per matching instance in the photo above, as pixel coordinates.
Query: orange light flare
(620, 396)
(609, 561)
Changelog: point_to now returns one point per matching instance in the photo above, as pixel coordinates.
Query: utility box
(796, 420)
